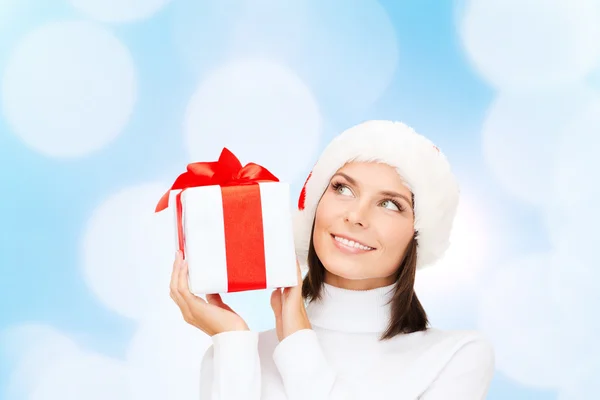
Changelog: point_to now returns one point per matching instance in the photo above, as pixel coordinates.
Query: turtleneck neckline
(352, 311)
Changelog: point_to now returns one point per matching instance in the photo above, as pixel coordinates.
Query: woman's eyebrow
(387, 193)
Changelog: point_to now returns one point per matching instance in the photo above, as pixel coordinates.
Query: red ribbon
(228, 171)
(242, 214)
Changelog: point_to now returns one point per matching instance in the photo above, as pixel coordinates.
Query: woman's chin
(345, 271)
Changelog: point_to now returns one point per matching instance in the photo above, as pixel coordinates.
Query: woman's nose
(357, 216)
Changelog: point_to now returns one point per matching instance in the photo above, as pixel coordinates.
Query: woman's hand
(289, 310)
(211, 316)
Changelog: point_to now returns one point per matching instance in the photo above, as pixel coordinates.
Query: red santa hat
(422, 166)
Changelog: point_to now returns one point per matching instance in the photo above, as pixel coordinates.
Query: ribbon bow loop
(229, 168)
(227, 171)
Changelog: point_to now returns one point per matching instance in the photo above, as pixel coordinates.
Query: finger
(298, 272)
(276, 306)
(184, 307)
(276, 303)
(191, 306)
(215, 299)
(183, 287)
(175, 274)
(295, 291)
(289, 293)
(174, 286)
(177, 298)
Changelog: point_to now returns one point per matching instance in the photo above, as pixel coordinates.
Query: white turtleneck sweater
(341, 358)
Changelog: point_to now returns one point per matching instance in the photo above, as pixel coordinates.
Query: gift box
(233, 225)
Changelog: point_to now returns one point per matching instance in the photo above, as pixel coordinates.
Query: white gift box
(236, 238)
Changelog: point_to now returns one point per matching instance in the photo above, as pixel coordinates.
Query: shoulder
(440, 347)
(436, 335)
(468, 347)
(445, 358)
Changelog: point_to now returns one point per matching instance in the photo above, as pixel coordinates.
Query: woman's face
(363, 225)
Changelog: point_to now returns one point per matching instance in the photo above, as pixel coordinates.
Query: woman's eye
(344, 190)
(341, 189)
(390, 204)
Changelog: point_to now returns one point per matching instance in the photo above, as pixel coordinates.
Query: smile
(351, 244)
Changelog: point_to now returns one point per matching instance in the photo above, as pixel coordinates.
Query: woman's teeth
(351, 243)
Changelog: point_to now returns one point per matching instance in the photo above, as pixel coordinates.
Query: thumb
(276, 302)
(276, 306)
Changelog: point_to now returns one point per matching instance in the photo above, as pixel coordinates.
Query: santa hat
(422, 166)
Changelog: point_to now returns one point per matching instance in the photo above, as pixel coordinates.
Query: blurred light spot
(260, 111)
(524, 44)
(69, 88)
(572, 216)
(572, 211)
(165, 358)
(463, 260)
(83, 376)
(119, 11)
(128, 251)
(444, 287)
(527, 326)
(347, 55)
(585, 385)
(162, 362)
(521, 135)
(33, 349)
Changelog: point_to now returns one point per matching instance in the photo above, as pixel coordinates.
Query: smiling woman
(356, 217)
(378, 205)
(364, 230)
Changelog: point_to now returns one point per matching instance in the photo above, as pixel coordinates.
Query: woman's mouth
(350, 245)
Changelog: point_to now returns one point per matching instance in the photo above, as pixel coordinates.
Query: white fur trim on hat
(418, 161)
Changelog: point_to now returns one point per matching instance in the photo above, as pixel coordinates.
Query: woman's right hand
(212, 316)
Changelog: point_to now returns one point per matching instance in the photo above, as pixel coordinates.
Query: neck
(357, 284)
(352, 310)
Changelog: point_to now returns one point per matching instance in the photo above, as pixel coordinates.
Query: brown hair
(407, 314)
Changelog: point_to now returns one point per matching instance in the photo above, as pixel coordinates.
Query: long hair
(407, 314)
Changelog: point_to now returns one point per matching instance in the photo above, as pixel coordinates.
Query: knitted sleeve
(231, 367)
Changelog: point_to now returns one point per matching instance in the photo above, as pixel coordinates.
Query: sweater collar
(353, 311)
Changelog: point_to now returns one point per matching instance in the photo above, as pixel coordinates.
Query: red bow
(228, 171)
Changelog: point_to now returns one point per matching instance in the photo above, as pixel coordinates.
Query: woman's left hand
(289, 310)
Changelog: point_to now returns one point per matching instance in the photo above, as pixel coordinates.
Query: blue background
(47, 199)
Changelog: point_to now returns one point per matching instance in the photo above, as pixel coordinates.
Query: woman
(378, 205)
